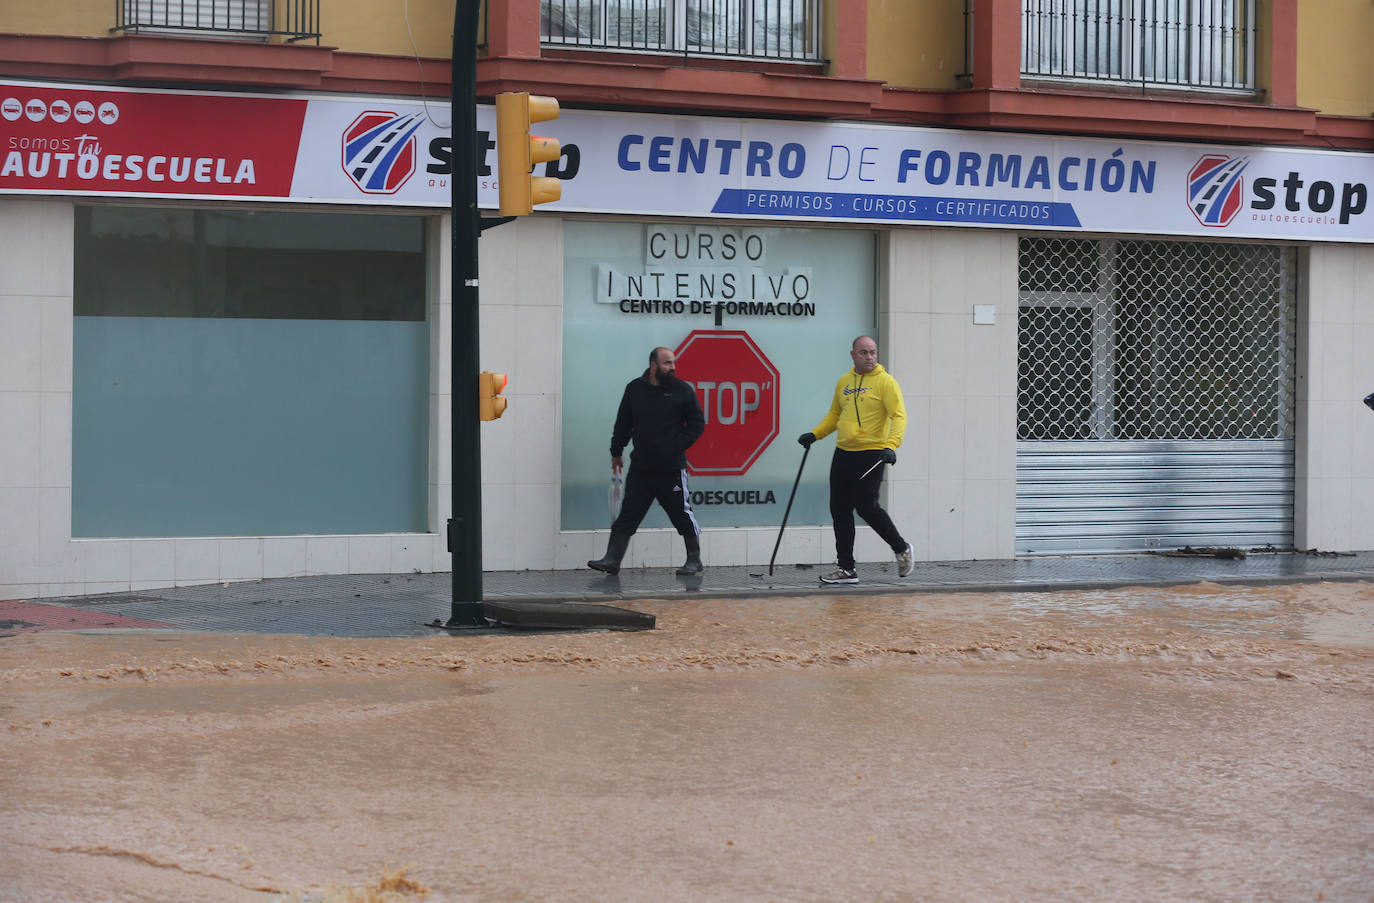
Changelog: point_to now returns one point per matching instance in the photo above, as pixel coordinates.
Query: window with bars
(1191, 43)
(1143, 339)
(294, 20)
(787, 30)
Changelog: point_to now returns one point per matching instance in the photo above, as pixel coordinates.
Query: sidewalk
(392, 605)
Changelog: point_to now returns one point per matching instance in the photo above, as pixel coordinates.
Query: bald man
(660, 415)
(869, 416)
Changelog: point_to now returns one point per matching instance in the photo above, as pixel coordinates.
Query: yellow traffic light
(490, 404)
(517, 152)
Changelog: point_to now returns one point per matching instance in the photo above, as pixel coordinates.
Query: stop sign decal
(737, 387)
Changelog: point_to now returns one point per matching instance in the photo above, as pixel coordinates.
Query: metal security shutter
(1156, 383)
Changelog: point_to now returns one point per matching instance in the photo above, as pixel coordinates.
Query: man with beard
(659, 413)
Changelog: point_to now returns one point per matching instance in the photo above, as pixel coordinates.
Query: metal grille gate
(1156, 384)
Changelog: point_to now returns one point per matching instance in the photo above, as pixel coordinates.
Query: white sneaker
(840, 575)
(904, 561)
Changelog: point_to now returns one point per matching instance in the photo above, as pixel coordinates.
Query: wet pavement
(389, 605)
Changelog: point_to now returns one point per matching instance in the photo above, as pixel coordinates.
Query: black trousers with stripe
(643, 487)
(851, 492)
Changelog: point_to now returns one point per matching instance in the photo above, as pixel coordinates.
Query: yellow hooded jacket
(867, 410)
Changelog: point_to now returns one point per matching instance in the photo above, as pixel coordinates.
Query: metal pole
(465, 527)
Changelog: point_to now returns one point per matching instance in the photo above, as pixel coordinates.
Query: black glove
(1369, 401)
(805, 439)
(889, 457)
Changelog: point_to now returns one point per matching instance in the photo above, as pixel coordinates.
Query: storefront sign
(89, 140)
(710, 272)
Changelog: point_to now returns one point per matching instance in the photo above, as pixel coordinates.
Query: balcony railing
(1190, 43)
(289, 20)
(787, 30)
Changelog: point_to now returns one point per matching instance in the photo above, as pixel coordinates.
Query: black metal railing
(787, 30)
(1189, 43)
(289, 20)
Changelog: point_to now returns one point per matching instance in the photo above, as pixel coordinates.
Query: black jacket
(663, 421)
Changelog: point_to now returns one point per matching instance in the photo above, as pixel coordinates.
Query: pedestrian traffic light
(517, 152)
(490, 404)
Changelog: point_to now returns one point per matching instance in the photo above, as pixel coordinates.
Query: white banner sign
(86, 140)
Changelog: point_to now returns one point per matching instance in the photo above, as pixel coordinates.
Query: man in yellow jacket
(870, 416)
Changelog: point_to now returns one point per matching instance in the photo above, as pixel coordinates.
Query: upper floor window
(771, 29)
(295, 20)
(1191, 43)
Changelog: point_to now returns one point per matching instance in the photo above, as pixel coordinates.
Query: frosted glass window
(801, 295)
(243, 373)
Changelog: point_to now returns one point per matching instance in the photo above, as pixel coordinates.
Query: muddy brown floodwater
(1194, 744)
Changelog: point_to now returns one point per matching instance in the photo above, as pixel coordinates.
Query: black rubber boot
(693, 564)
(615, 550)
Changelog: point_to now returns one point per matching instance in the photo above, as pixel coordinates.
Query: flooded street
(1199, 743)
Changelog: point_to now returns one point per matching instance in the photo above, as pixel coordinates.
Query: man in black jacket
(659, 413)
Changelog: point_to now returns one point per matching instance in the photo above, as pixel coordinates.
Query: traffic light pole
(469, 611)
(465, 527)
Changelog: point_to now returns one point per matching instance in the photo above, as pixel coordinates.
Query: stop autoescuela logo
(737, 387)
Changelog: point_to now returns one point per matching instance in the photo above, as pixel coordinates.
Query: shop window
(798, 296)
(249, 373)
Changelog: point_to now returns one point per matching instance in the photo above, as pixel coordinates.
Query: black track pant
(643, 487)
(850, 494)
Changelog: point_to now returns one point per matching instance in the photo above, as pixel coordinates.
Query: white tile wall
(55, 440)
(412, 553)
(1362, 500)
(801, 546)
(21, 414)
(653, 548)
(537, 447)
(574, 550)
(909, 507)
(152, 560)
(948, 378)
(369, 554)
(21, 343)
(240, 559)
(537, 504)
(110, 560)
(948, 455)
(1335, 431)
(197, 560)
(503, 528)
(946, 517)
(326, 555)
(725, 548)
(981, 514)
(35, 286)
(55, 365)
(913, 458)
(949, 492)
(283, 556)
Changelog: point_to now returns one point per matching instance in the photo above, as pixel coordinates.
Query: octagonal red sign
(379, 150)
(1216, 189)
(737, 387)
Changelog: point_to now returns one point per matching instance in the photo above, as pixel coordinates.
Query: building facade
(1113, 252)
